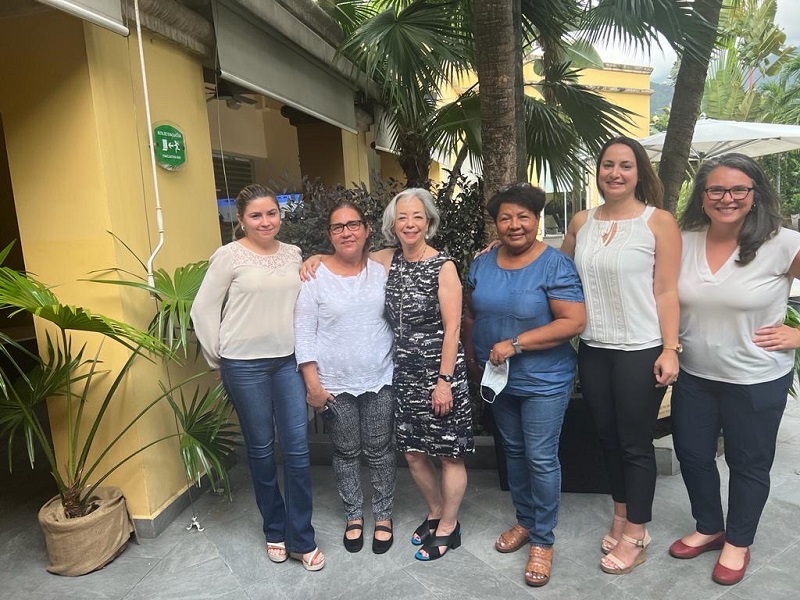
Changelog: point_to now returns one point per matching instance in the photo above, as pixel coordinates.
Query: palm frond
(636, 24)
(207, 436)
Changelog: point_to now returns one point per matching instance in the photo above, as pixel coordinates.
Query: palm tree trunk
(689, 86)
(498, 61)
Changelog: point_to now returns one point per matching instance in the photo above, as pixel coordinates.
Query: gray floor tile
(205, 580)
(767, 582)
(111, 582)
(460, 575)
(227, 561)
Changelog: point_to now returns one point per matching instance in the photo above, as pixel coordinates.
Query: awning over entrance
(105, 13)
(254, 58)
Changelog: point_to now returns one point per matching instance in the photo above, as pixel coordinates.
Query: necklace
(418, 258)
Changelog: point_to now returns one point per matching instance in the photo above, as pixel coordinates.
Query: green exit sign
(170, 146)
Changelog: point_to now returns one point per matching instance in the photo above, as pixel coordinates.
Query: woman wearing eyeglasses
(343, 346)
(433, 416)
(736, 273)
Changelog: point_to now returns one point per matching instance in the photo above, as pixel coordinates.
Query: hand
(500, 352)
(317, 397)
(442, 398)
(666, 368)
(308, 270)
(777, 337)
(492, 245)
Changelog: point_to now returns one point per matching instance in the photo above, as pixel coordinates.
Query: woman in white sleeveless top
(627, 252)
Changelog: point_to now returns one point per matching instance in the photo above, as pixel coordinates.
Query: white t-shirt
(720, 312)
(244, 307)
(617, 279)
(339, 324)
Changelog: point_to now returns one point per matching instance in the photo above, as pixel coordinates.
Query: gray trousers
(364, 426)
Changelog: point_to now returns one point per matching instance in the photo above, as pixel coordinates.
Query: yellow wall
(625, 86)
(79, 167)
(239, 131)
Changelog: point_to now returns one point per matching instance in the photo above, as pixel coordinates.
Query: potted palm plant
(87, 525)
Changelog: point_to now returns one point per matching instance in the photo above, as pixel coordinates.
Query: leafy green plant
(793, 320)
(68, 373)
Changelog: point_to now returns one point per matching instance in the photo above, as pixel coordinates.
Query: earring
(241, 226)
(753, 207)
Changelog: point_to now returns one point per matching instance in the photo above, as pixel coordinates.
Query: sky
(788, 17)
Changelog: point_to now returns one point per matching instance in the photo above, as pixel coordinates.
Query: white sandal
(277, 557)
(309, 565)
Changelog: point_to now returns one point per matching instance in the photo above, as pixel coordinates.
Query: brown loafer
(537, 571)
(513, 539)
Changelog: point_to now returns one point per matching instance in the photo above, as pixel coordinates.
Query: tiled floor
(227, 560)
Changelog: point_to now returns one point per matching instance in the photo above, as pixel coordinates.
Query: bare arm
(780, 337)
(450, 306)
(568, 245)
(665, 290)
(316, 395)
(383, 256)
(467, 323)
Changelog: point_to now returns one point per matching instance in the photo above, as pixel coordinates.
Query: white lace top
(339, 324)
(245, 305)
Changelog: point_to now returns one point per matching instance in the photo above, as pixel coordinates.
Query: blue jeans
(530, 428)
(262, 390)
(749, 416)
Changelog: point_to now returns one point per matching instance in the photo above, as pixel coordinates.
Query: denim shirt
(508, 302)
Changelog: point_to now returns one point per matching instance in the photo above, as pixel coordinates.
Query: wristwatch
(447, 378)
(515, 344)
(678, 349)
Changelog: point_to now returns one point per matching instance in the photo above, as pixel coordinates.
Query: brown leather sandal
(537, 571)
(512, 539)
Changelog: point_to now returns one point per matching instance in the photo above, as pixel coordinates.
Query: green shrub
(460, 233)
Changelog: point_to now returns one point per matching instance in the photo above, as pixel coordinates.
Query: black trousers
(749, 416)
(620, 390)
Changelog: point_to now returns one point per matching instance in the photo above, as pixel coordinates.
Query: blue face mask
(494, 380)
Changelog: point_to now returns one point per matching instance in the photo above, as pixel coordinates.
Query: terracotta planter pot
(85, 544)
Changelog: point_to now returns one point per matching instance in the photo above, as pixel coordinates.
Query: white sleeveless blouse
(616, 268)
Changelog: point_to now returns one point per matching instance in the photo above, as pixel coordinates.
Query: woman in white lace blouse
(243, 319)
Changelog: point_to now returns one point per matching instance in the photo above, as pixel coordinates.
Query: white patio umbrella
(712, 138)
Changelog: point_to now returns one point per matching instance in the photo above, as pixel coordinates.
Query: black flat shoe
(381, 546)
(355, 544)
(424, 531)
(431, 547)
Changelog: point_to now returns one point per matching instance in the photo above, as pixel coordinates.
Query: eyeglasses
(717, 192)
(337, 228)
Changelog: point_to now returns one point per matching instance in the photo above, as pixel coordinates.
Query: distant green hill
(662, 96)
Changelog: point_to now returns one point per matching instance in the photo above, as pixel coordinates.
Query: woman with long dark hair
(736, 274)
(627, 251)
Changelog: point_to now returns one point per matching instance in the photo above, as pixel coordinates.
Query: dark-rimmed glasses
(737, 192)
(337, 228)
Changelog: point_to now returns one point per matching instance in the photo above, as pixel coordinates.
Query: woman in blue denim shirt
(526, 303)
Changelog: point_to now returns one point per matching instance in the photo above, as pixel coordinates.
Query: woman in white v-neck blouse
(737, 267)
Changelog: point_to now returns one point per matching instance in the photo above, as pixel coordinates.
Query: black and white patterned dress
(412, 309)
